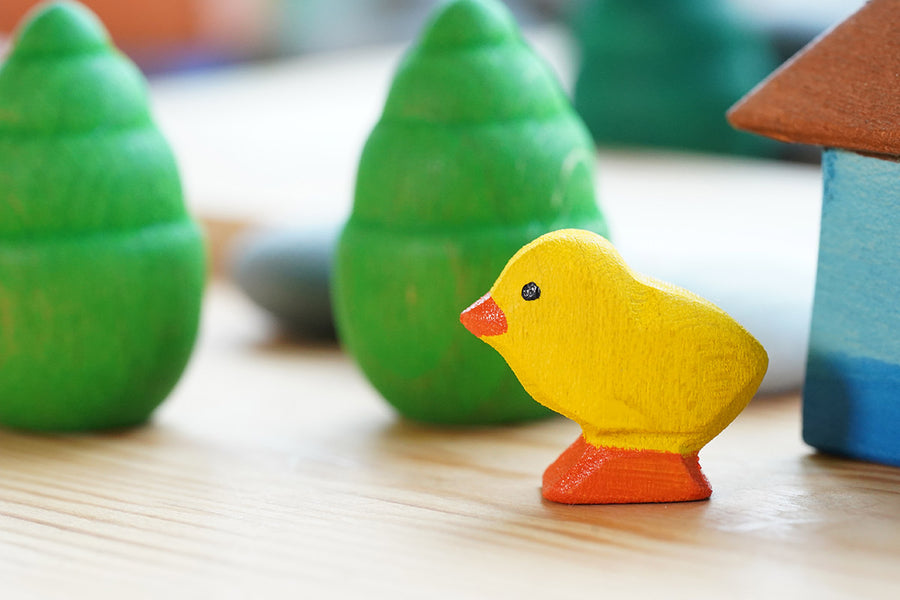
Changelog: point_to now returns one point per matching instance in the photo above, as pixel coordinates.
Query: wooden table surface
(276, 471)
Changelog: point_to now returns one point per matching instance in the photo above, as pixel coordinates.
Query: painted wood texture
(852, 393)
(101, 267)
(640, 364)
(588, 474)
(840, 91)
(477, 152)
(276, 470)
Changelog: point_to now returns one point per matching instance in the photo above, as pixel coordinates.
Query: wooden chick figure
(650, 371)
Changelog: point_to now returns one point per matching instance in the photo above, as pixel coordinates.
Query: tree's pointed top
(469, 22)
(61, 27)
(64, 76)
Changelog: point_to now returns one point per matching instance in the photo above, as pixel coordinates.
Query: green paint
(101, 269)
(664, 72)
(477, 153)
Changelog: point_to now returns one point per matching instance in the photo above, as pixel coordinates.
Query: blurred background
(644, 73)
(267, 104)
(178, 34)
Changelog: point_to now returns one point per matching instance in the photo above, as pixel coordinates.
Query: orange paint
(586, 474)
(484, 317)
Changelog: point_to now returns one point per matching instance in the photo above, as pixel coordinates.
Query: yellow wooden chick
(650, 371)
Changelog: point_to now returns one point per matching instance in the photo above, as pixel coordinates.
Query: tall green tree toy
(478, 151)
(101, 269)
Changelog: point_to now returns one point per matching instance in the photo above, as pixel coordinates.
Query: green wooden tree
(478, 152)
(101, 269)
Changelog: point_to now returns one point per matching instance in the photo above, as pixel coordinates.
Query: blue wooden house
(842, 92)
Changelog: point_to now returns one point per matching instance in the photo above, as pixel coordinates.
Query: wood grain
(275, 470)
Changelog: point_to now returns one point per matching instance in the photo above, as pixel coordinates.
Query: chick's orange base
(587, 474)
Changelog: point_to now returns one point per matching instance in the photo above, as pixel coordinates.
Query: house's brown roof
(841, 91)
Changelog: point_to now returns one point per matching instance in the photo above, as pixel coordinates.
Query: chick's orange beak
(484, 317)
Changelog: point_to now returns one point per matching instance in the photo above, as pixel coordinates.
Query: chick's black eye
(530, 291)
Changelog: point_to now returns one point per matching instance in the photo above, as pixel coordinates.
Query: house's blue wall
(851, 400)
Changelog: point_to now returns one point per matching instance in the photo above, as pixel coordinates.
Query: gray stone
(288, 272)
